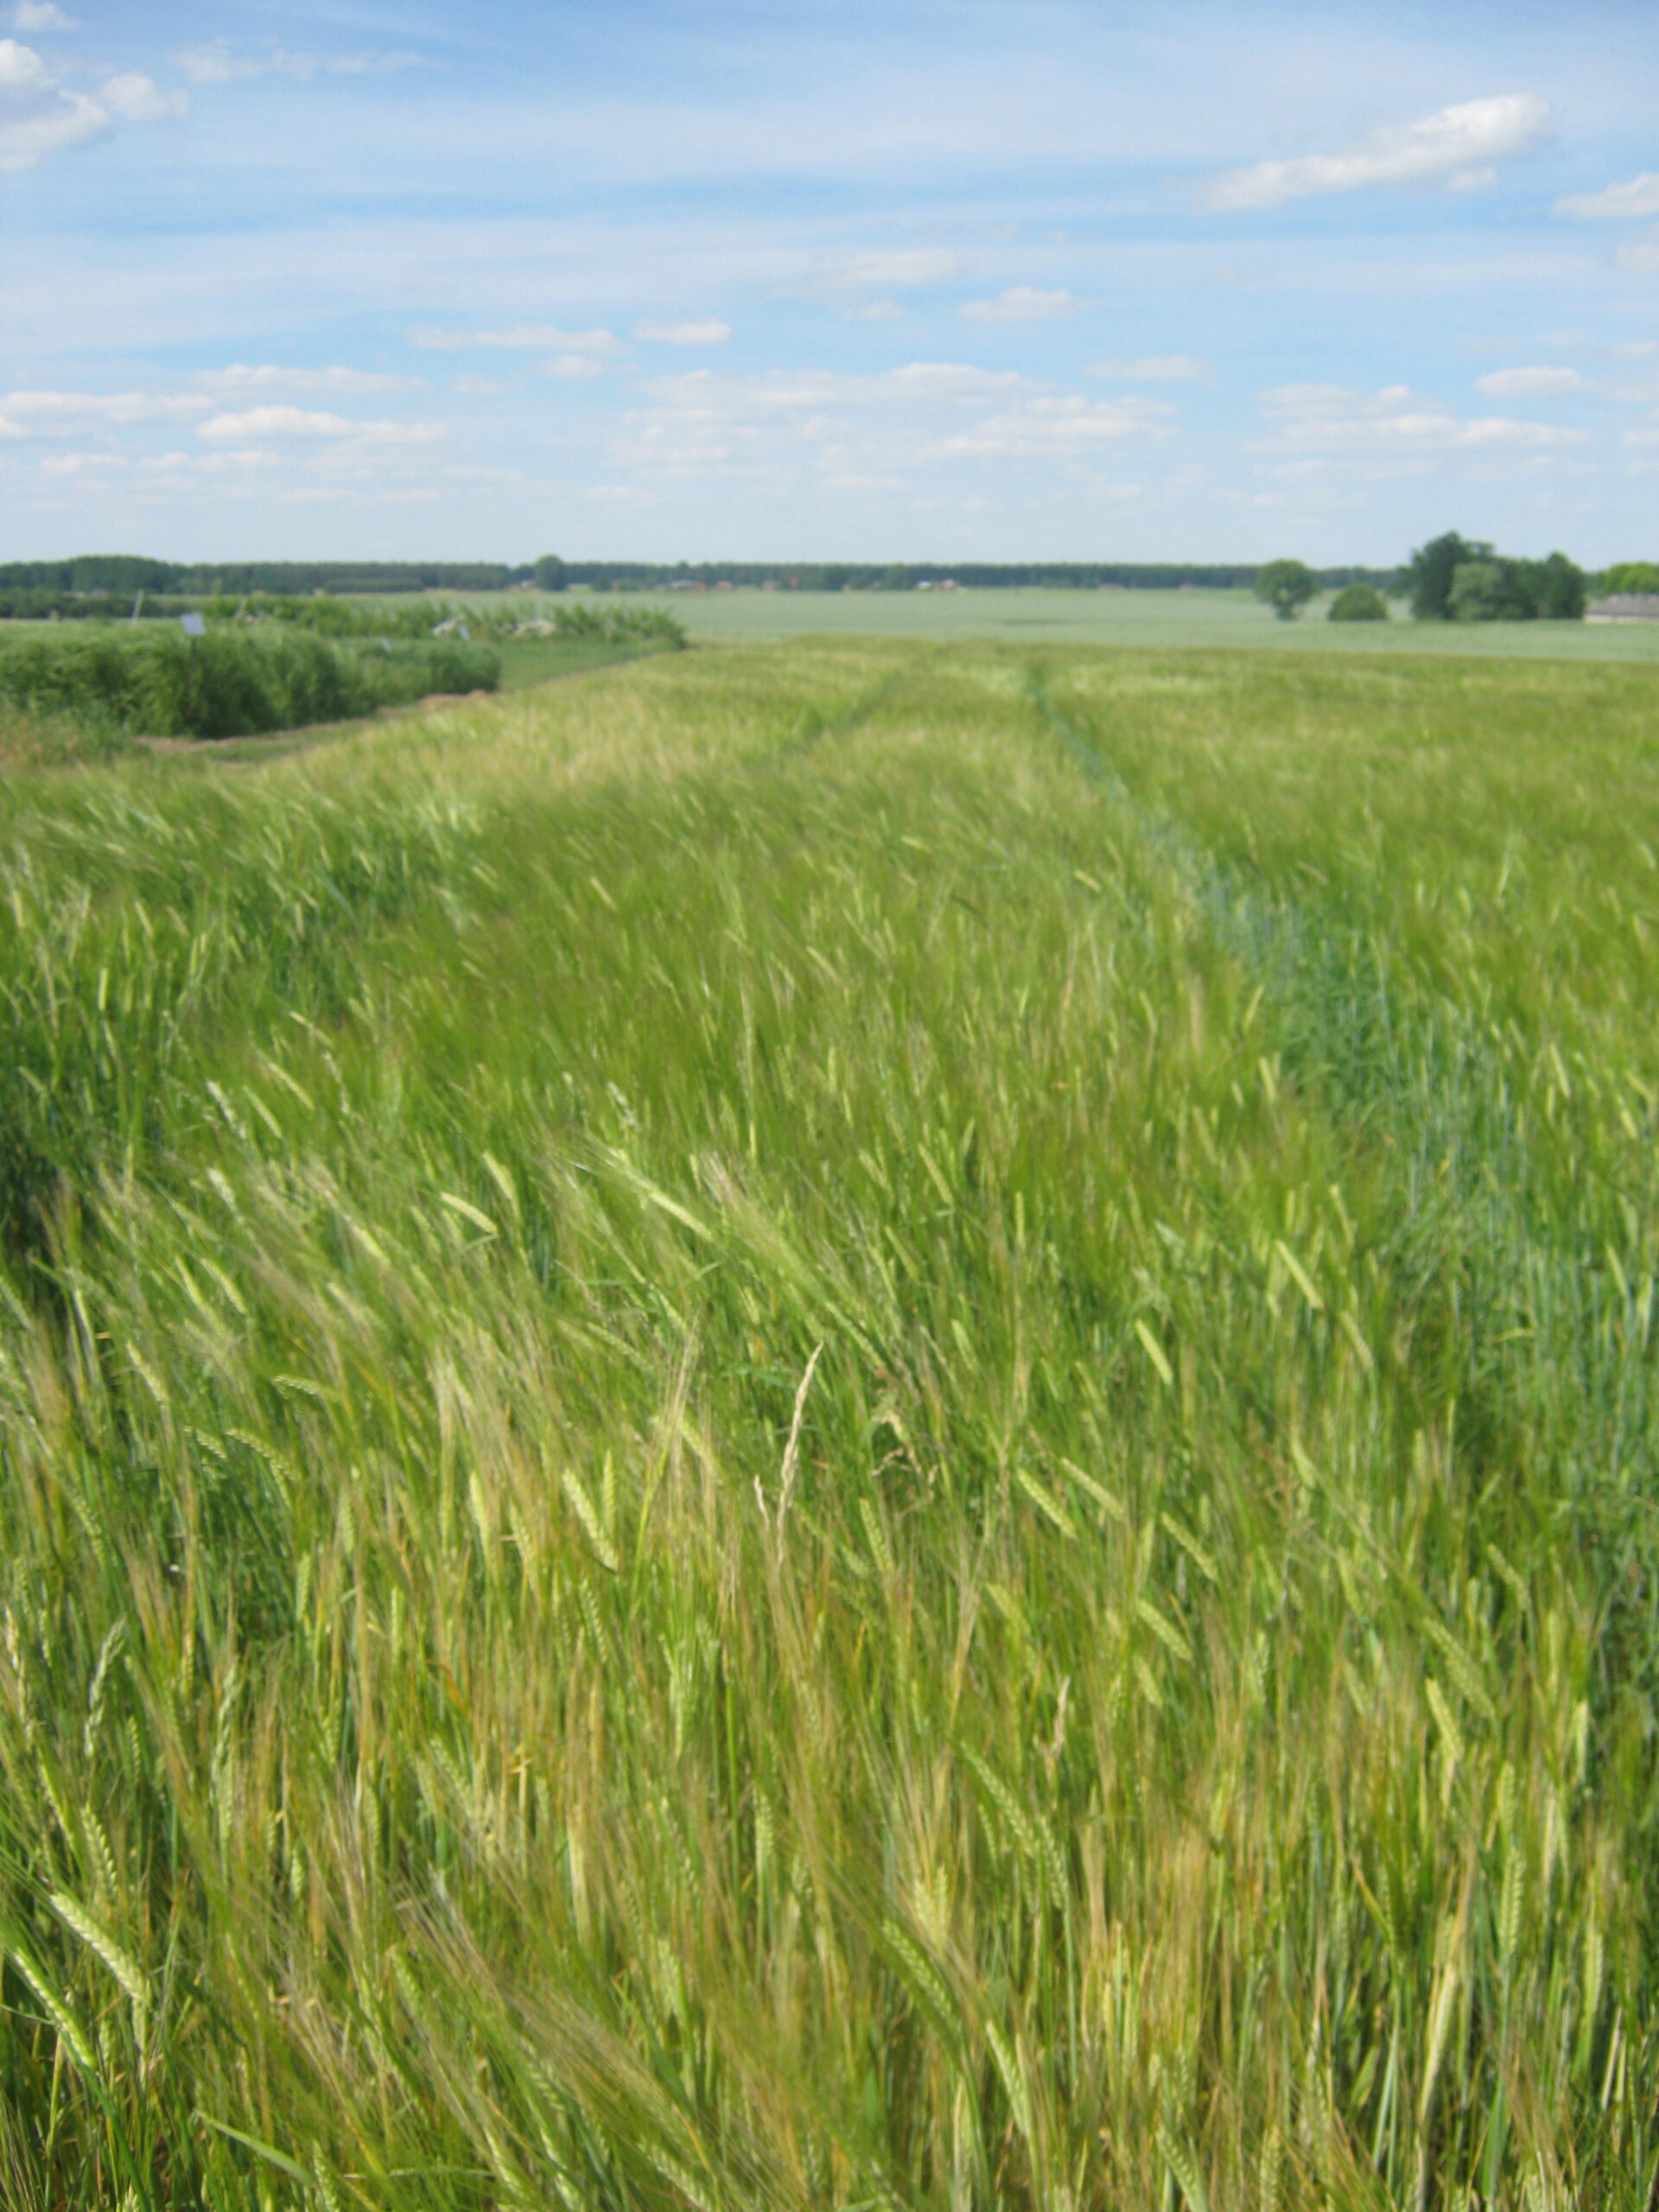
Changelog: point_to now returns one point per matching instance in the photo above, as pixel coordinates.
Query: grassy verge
(847, 1426)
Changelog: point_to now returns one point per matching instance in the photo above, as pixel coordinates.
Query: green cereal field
(856, 1423)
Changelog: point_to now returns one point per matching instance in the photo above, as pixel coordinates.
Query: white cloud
(901, 270)
(522, 337)
(1022, 303)
(1638, 349)
(1643, 258)
(140, 99)
(46, 411)
(1044, 426)
(219, 62)
(1532, 384)
(79, 464)
(473, 387)
(1619, 203)
(706, 330)
(1453, 148)
(369, 65)
(569, 365)
(41, 15)
(256, 423)
(1151, 368)
(805, 430)
(1333, 419)
(37, 115)
(241, 379)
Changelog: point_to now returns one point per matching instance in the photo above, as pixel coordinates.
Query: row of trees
(1457, 579)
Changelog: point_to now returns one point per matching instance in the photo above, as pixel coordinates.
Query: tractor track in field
(1554, 1326)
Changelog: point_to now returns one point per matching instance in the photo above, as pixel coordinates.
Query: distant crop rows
(847, 1425)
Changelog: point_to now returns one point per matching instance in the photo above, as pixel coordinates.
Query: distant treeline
(67, 587)
(38, 606)
(552, 574)
(124, 575)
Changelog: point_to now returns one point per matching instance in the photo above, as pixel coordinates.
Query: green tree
(1286, 586)
(1428, 578)
(1632, 576)
(1563, 591)
(1489, 591)
(1358, 603)
(550, 573)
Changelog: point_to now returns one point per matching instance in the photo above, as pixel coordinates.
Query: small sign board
(192, 626)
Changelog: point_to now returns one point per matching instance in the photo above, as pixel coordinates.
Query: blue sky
(986, 281)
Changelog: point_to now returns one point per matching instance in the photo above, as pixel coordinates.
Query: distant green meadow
(841, 1424)
(1156, 619)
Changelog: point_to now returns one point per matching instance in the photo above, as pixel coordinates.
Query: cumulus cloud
(140, 99)
(1644, 257)
(569, 365)
(890, 272)
(254, 425)
(1532, 384)
(41, 15)
(243, 378)
(1334, 420)
(1455, 148)
(38, 117)
(520, 337)
(1151, 368)
(1044, 426)
(45, 412)
(1022, 303)
(816, 429)
(1620, 203)
(80, 464)
(704, 330)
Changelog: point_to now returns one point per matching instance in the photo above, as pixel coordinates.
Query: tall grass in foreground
(748, 1459)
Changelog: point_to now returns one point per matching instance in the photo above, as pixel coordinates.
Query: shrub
(330, 617)
(229, 683)
(619, 625)
(1358, 603)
